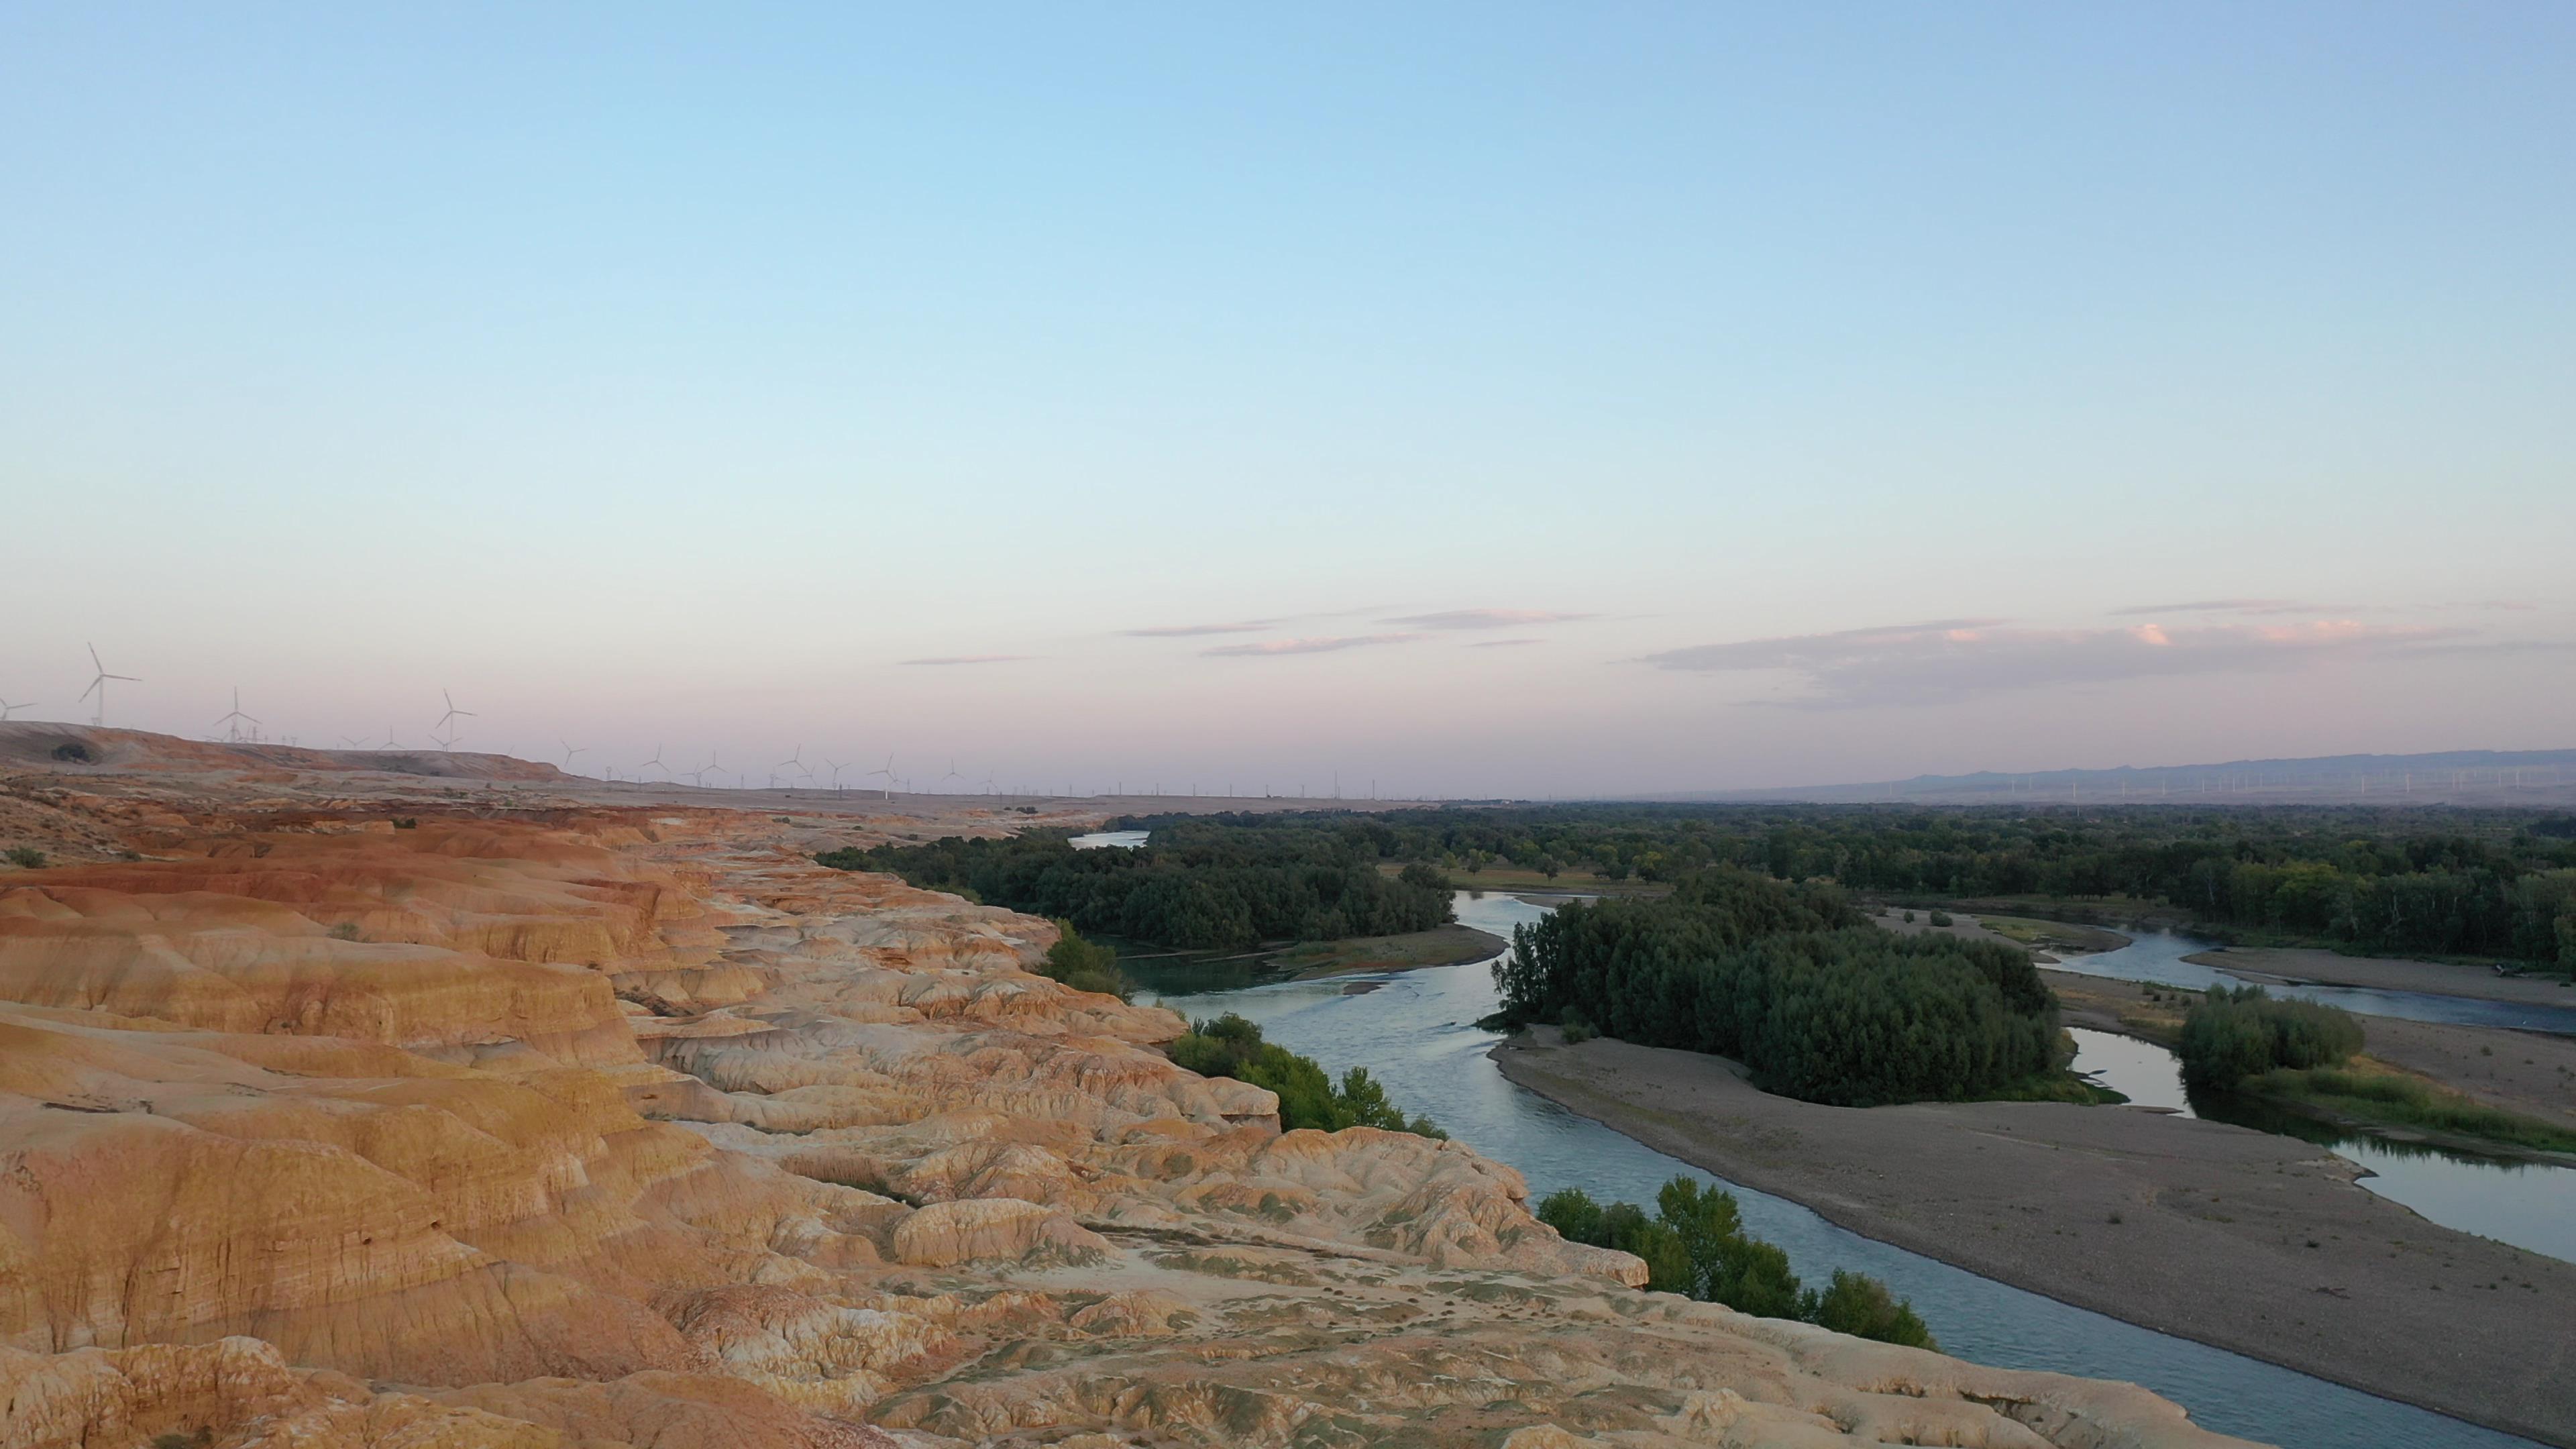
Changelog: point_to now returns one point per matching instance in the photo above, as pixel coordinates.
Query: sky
(1455, 400)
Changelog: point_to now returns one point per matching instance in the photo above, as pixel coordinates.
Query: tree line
(1210, 889)
(2395, 880)
(1792, 982)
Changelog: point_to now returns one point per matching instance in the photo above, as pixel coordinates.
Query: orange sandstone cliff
(567, 1126)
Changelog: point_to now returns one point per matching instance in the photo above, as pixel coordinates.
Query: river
(1415, 1031)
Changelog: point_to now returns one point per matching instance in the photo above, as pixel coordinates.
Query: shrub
(26, 857)
(1941, 918)
(73, 751)
(406, 822)
(1909, 918)
(1577, 1030)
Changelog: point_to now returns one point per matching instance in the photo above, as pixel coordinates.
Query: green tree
(1862, 1307)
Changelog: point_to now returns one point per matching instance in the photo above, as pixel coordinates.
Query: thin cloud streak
(1501, 643)
(1960, 658)
(1271, 647)
(1486, 619)
(2235, 606)
(1187, 631)
(948, 659)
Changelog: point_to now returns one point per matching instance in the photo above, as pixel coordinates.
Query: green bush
(72, 751)
(1695, 1245)
(1941, 918)
(2230, 1035)
(1084, 965)
(1231, 1046)
(26, 857)
(1575, 1028)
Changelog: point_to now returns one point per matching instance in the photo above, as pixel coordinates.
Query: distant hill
(33, 744)
(2452, 777)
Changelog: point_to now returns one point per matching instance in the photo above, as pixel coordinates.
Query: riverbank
(2194, 1228)
(2268, 965)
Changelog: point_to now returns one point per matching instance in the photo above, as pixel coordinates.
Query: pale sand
(2260, 964)
(2211, 1242)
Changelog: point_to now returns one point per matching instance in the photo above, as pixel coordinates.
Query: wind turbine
(6, 707)
(447, 722)
(570, 750)
(232, 723)
(655, 763)
(98, 686)
(887, 773)
(952, 771)
(989, 787)
(353, 744)
(796, 761)
(836, 769)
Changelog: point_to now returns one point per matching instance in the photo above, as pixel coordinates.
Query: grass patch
(2060, 936)
(1440, 946)
(2054, 1087)
(2384, 1098)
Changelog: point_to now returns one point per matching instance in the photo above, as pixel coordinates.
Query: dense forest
(1198, 885)
(2397, 881)
(1695, 1245)
(1792, 982)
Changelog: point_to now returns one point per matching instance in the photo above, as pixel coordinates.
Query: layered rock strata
(588, 1127)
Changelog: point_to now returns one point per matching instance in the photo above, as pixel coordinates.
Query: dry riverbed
(2253, 1242)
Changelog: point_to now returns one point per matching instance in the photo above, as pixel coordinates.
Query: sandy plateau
(554, 1122)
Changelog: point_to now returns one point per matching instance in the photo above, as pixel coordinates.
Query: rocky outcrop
(592, 1127)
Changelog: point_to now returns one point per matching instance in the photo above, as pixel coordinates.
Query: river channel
(1415, 1031)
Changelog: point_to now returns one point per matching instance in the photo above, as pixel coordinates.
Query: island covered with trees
(1794, 983)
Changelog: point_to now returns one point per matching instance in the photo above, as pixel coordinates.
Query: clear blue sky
(675, 375)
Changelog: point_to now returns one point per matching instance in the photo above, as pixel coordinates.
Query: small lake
(2530, 1205)
(2157, 956)
(1415, 1031)
(1110, 839)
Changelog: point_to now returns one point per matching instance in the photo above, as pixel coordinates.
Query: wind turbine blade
(94, 659)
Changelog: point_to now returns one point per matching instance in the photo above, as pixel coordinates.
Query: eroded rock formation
(587, 1127)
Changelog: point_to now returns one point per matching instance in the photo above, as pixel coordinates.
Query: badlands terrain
(352, 1101)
